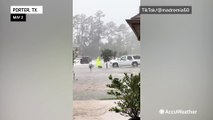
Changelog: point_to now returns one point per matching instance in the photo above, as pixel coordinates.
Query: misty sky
(114, 10)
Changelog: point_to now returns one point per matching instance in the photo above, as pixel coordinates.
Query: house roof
(134, 23)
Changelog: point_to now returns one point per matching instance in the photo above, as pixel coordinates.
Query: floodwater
(91, 85)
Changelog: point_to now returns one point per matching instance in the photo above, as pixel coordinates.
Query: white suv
(126, 60)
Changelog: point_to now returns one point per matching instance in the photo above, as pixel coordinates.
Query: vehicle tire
(135, 64)
(115, 65)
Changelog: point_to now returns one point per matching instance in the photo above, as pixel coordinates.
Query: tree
(75, 54)
(114, 53)
(110, 36)
(122, 34)
(127, 90)
(133, 45)
(81, 31)
(88, 32)
(91, 34)
(107, 54)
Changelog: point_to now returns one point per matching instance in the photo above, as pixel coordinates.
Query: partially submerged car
(85, 60)
(126, 60)
(77, 60)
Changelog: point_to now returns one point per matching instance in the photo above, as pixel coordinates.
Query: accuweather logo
(177, 112)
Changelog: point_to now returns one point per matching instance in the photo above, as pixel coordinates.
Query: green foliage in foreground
(127, 90)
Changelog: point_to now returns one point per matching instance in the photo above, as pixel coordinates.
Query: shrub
(127, 90)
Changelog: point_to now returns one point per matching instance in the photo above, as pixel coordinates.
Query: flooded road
(91, 85)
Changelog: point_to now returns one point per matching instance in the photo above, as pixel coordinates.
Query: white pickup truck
(126, 60)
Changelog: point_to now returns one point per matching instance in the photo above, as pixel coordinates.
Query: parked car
(126, 60)
(77, 60)
(85, 60)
